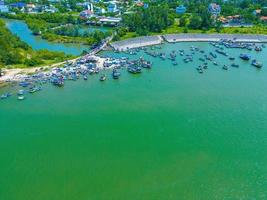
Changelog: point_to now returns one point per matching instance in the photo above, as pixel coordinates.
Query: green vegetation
(14, 52)
(160, 17)
(59, 28)
(154, 19)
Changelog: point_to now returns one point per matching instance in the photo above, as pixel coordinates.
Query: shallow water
(21, 29)
(169, 133)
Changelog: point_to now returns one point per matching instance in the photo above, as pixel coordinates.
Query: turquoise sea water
(169, 133)
(21, 29)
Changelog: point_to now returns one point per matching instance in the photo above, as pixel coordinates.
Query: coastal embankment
(189, 37)
(214, 37)
(136, 42)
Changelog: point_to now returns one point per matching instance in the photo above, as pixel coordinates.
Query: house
(214, 9)
(100, 11)
(256, 12)
(86, 14)
(181, 9)
(146, 5)
(18, 5)
(3, 7)
(50, 9)
(112, 7)
(263, 18)
(31, 8)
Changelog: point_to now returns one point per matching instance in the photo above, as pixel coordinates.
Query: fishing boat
(256, 64)
(231, 58)
(34, 89)
(85, 77)
(225, 67)
(244, 56)
(5, 96)
(215, 63)
(21, 97)
(175, 63)
(200, 69)
(234, 65)
(21, 92)
(24, 84)
(103, 78)
(257, 48)
(115, 74)
(213, 55)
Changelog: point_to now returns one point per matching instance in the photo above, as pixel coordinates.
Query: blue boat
(5, 96)
(244, 56)
(256, 64)
(213, 55)
(115, 74)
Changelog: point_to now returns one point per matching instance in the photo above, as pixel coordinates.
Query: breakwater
(136, 42)
(214, 37)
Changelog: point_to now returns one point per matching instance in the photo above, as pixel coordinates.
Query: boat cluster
(72, 71)
(235, 44)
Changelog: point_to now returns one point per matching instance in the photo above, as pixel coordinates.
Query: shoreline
(17, 74)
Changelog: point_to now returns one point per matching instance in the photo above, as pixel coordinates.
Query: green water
(169, 133)
(20, 28)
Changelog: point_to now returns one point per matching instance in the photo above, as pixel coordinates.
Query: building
(263, 18)
(18, 5)
(100, 11)
(181, 9)
(86, 14)
(112, 7)
(3, 7)
(256, 12)
(214, 9)
(146, 5)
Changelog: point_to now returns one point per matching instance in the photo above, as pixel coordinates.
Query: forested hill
(12, 49)
(16, 53)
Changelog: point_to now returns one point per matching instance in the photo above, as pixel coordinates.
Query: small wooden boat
(244, 56)
(103, 78)
(225, 67)
(256, 64)
(234, 65)
(21, 97)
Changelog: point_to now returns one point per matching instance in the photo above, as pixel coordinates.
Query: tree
(182, 21)
(195, 22)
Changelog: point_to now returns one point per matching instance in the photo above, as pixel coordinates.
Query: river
(168, 133)
(21, 29)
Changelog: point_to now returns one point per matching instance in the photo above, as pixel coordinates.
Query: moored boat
(103, 78)
(21, 97)
(234, 65)
(244, 56)
(225, 67)
(115, 74)
(256, 64)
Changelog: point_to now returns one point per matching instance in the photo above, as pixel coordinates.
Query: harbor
(117, 130)
(220, 55)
